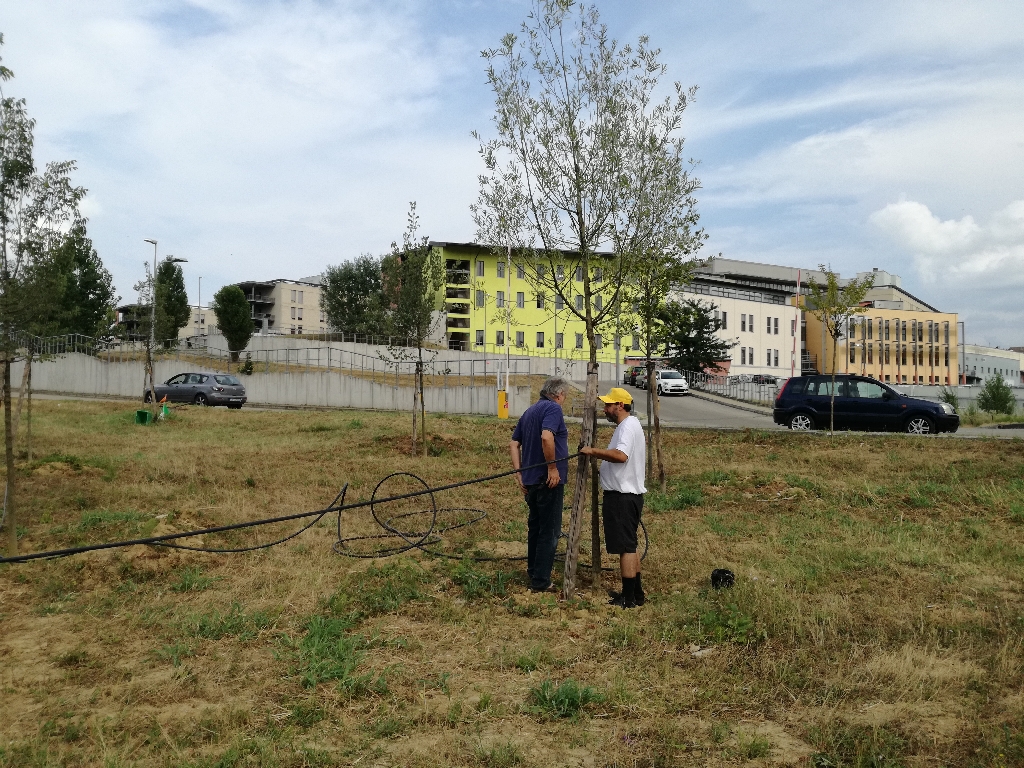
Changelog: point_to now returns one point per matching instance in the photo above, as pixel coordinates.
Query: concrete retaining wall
(85, 375)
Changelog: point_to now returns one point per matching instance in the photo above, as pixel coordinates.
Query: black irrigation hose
(422, 540)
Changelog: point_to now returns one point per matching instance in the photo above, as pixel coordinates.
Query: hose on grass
(428, 539)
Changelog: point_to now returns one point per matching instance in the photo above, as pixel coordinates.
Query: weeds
(380, 590)
(329, 652)
(235, 623)
(568, 700)
(476, 583)
(191, 579)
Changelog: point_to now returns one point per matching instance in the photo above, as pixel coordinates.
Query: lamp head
(151, 242)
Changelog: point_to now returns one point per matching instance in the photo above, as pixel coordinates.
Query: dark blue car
(860, 404)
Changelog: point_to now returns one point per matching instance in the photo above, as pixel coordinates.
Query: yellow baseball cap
(617, 395)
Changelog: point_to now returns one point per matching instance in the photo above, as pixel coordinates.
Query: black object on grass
(722, 577)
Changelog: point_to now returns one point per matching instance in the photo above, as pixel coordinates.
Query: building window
(540, 301)
(579, 302)
(293, 297)
(901, 331)
(743, 355)
(479, 298)
(792, 327)
(768, 356)
(479, 268)
(479, 338)
(559, 272)
(520, 272)
(776, 358)
(636, 341)
(559, 339)
(776, 333)
(870, 328)
(520, 338)
(300, 330)
(540, 339)
(541, 271)
(598, 344)
(579, 274)
(520, 300)
(887, 352)
(725, 320)
(945, 335)
(598, 275)
(501, 269)
(851, 332)
(946, 350)
(743, 323)
(299, 317)
(853, 353)
(322, 316)
(293, 311)
(599, 302)
(886, 329)
(579, 341)
(300, 297)
(871, 348)
(499, 338)
(499, 300)
(769, 325)
(559, 303)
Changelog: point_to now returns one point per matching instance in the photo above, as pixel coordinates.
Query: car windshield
(671, 375)
(230, 380)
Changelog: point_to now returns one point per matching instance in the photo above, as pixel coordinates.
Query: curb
(728, 404)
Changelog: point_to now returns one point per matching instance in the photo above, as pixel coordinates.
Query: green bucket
(143, 417)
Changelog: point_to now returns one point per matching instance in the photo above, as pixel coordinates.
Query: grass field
(877, 619)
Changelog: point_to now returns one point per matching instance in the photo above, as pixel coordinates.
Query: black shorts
(621, 521)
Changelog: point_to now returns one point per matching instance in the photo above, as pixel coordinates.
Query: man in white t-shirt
(622, 479)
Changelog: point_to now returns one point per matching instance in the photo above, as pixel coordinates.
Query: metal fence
(749, 388)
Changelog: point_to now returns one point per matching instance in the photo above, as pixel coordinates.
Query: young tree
(834, 306)
(351, 296)
(172, 307)
(34, 212)
(413, 277)
(581, 146)
(997, 396)
(690, 335)
(234, 318)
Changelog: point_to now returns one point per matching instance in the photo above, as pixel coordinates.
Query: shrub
(996, 396)
(949, 396)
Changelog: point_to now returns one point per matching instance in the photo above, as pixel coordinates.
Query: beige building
(281, 307)
(202, 322)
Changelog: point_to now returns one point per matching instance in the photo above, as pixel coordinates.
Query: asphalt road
(690, 411)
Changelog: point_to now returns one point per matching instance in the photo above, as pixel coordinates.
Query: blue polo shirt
(544, 414)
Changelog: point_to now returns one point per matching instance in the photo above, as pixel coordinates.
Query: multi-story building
(761, 323)
(481, 288)
(281, 307)
(900, 338)
(983, 363)
(203, 322)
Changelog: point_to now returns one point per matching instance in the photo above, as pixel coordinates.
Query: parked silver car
(201, 389)
(669, 382)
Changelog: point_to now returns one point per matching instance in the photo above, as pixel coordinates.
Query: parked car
(629, 377)
(860, 404)
(201, 389)
(669, 382)
(763, 378)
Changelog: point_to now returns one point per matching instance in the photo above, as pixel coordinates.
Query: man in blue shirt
(540, 443)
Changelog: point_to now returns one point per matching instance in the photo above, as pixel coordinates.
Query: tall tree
(172, 307)
(690, 336)
(413, 277)
(581, 150)
(351, 296)
(234, 318)
(34, 211)
(82, 288)
(834, 305)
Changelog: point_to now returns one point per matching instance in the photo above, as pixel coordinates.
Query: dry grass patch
(877, 618)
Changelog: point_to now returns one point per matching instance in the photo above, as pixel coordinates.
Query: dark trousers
(543, 529)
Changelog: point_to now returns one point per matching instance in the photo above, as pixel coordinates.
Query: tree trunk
(152, 381)
(650, 417)
(16, 419)
(415, 413)
(595, 521)
(579, 497)
(657, 438)
(832, 403)
(28, 423)
(9, 495)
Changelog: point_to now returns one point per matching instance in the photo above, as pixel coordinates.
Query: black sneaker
(616, 597)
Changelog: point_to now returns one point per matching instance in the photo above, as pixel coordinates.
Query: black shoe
(622, 603)
(548, 588)
(639, 599)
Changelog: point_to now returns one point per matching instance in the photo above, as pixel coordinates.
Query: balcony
(458, 322)
(458, 309)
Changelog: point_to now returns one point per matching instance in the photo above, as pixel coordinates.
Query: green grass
(568, 699)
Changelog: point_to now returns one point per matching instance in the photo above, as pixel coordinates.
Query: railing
(759, 389)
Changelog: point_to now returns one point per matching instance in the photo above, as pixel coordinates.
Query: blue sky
(269, 139)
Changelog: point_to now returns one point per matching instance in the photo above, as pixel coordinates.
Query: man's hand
(553, 477)
(519, 481)
(587, 450)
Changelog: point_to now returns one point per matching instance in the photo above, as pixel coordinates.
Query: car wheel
(801, 422)
(235, 407)
(920, 425)
(201, 399)
(147, 398)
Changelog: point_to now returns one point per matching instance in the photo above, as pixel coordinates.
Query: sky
(265, 139)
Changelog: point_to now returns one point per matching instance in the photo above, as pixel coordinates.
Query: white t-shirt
(628, 477)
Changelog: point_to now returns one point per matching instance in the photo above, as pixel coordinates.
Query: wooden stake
(579, 497)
